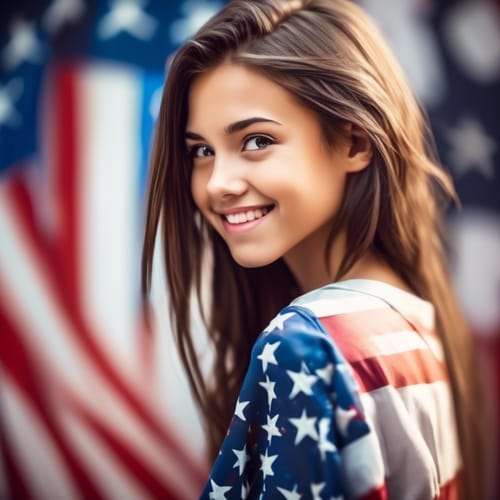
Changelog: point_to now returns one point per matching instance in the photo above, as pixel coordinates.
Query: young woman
(291, 163)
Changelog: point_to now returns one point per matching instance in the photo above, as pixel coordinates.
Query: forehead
(232, 92)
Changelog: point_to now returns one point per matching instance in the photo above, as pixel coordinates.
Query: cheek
(331, 191)
(325, 191)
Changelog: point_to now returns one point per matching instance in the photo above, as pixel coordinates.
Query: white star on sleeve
(241, 459)
(305, 427)
(316, 489)
(267, 355)
(218, 492)
(302, 382)
(290, 494)
(267, 462)
(244, 489)
(271, 428)
(324, 444)
(240, 406)
(278, 322)
(343, 417)
(326, 373)
(269, 387)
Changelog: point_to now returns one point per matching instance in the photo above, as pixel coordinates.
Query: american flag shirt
(346, 396)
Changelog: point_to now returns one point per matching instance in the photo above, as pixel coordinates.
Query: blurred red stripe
(33, 381)
(65, 168)
(20, 203)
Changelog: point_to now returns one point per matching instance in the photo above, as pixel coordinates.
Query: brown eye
(200, 151)
(257, 142)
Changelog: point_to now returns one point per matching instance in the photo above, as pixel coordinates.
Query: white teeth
(247, 216)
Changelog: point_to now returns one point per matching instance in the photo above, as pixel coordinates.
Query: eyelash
(192, 151)
(259, 136)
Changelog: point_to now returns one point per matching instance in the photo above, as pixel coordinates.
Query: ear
(359, 146)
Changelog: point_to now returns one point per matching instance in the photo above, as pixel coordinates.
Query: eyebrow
(234, 127)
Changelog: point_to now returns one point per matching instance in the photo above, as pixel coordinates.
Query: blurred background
(92, 404)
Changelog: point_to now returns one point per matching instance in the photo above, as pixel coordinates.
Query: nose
(226, 178)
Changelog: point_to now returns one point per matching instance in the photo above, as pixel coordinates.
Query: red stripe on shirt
(352, 329)
(398, 370)
(379, 493)
(450, 490)
(354, 334)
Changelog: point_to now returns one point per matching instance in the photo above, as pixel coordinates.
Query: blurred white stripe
(109, 120)
(46, 330)
(25, 281)
(34, 453)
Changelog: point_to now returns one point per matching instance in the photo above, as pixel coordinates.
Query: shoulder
(337, 299)
(293, 336)
(296, 346)
(301, 329)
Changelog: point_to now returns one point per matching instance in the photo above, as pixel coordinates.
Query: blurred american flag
(90, 406)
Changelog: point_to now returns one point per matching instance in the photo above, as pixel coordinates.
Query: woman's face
(262, 175)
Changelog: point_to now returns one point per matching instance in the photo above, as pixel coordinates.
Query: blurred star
(471, 148)
(128, 16)
(62, 11)
(8, 94)
(472, 34)
(23, 45)
(196, 13)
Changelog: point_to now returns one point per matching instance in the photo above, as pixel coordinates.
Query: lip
(241, 227)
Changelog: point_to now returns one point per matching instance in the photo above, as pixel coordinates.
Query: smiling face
(262, 175)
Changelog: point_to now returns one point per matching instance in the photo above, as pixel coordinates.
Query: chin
(254, 261)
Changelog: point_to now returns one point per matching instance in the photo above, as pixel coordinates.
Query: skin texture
(279, 164)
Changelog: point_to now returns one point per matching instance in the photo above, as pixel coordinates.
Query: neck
(312, 271)
(308, 264)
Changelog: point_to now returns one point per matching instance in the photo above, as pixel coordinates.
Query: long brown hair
(329, 55)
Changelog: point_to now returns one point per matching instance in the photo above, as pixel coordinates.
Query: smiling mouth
(247, 215)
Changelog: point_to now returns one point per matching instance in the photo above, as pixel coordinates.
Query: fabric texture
(346, 396)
